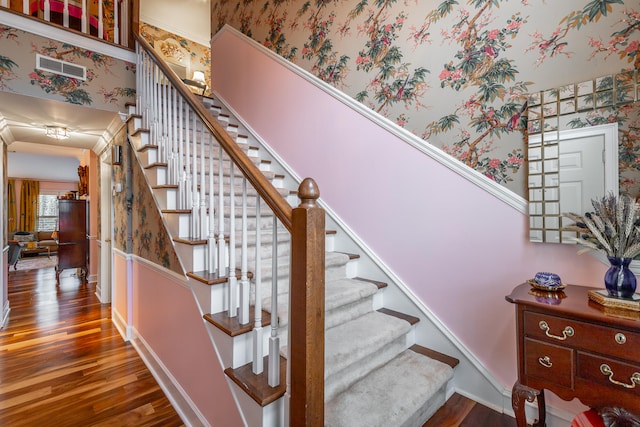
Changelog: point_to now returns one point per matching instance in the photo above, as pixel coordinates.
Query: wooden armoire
(73, 228)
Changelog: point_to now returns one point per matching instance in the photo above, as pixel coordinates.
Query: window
(47, 212)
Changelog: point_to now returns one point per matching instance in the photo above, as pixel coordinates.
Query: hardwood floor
(463, 412)
(63, 363)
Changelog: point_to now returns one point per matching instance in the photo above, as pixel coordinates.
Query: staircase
(239, 256)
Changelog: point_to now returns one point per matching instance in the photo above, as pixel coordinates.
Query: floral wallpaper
(122, 199)
(199, 55)
(110, 82)
(150, 238)
(137, 225)
(456, 73)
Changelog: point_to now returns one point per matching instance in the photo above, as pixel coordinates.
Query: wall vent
(60, 67)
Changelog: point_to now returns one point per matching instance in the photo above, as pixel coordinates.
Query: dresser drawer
(612, 373)
(552, 363)
(599, 339)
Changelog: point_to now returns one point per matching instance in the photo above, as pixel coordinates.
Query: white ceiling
(23, 119)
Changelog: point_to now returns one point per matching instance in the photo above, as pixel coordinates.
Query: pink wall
(165, 314)
(120, 297)
(458, 248)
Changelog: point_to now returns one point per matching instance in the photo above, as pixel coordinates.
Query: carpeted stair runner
(404, 392)
(371, 378)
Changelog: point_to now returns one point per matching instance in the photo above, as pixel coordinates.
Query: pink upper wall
(457, 247)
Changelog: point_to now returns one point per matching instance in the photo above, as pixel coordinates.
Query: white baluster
(25, 6)
(221, 241)
(194, 181)
(182, 189)
(47, 10)
(203, 186)
(116, 22)
(258, 362)
(85, 12)
(100, 21)
(187, 161)
(212, 217)
(274, 340)
(65, 14)
(243, 315)
(233, 280)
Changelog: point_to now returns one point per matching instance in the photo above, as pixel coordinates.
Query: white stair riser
(193, 257)
(255, 415)
(156, 176)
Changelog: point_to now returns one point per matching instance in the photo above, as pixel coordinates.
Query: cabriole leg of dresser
(521, 394)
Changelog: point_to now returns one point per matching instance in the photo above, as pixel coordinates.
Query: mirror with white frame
(583, 141)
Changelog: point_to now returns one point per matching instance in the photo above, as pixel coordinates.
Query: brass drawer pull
(635, 378)
(566, 333)
(545, 361)
(620, 338)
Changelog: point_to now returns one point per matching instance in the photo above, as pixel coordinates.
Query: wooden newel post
(307, 309)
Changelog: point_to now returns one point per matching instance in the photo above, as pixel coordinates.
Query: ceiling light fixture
(56, 132)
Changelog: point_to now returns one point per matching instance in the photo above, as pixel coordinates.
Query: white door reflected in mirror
(578, 165)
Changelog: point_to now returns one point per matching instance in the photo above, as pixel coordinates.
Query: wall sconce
(56, 132)
(116, 155)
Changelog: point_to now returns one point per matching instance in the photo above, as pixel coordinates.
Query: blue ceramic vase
(619, 280)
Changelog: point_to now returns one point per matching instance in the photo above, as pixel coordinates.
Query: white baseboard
(184, 406)
(123, 328)
(5, 314)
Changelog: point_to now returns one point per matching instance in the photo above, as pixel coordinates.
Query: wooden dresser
(575, 348)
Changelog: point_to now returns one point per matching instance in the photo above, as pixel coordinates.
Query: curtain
(29, 205)
(12, 220)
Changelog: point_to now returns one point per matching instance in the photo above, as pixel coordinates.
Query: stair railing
(188, 138)
(107, 20)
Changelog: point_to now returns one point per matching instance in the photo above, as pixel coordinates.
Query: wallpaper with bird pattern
(457, 73)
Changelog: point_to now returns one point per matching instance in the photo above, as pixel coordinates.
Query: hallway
(63, 363)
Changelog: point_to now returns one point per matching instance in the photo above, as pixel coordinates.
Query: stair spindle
(243, 315)
(258, 362)
(274, 340)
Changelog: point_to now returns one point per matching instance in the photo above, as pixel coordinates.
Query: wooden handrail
(306, 223)
(263, 186)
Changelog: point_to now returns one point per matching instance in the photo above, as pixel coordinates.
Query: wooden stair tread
(231, 326)
(157, 187)
(257, 386)
(147, 147)
(409, 318)
(208, 278)
(436, 355)
(189, 241)
(156, 165)
(378, 283)
(174, 211)
(351, 256)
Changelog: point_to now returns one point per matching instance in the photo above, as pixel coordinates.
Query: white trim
(121, 325)
(109, 134)
(179, 398)
(48, 31)
(180, 279)
(5, 313)
(504, 194)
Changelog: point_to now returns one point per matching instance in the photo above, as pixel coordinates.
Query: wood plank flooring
(463, 412)
(63, 363)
